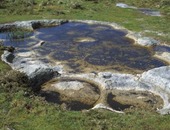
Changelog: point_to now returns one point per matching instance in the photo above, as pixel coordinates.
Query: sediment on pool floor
(71, 94)
(131, 100)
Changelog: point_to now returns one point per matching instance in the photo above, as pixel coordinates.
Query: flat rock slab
(156, 80)
(32, 24)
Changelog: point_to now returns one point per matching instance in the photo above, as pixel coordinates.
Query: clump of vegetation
(15, 34)
(13, 79)
(72, 4)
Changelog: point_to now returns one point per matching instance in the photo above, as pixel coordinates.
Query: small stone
(84, 39)
(107, 75)
(146, 41)
(123, 5)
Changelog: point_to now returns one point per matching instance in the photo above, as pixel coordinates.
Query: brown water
(87, 47)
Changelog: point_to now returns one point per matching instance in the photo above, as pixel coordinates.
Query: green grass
(3, 67)
(33, 113)
(22, 109)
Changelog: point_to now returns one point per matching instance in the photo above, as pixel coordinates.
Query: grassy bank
(22, 109)
(95, 10)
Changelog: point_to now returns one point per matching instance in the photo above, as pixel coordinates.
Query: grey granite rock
(37, 71)
(142, 41)
(7, 57)
(32, 24)
(159, 77)
(40, 76)
(159, 81)
(146, 41)
(123, 5)
(146, 11)
(150, 12)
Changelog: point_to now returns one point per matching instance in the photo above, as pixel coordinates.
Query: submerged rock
(68, 85)
(76, 94)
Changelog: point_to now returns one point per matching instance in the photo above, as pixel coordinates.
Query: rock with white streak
(102, 106)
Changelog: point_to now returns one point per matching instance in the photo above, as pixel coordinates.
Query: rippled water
(82, 46)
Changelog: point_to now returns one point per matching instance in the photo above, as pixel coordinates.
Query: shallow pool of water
(87, 47)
